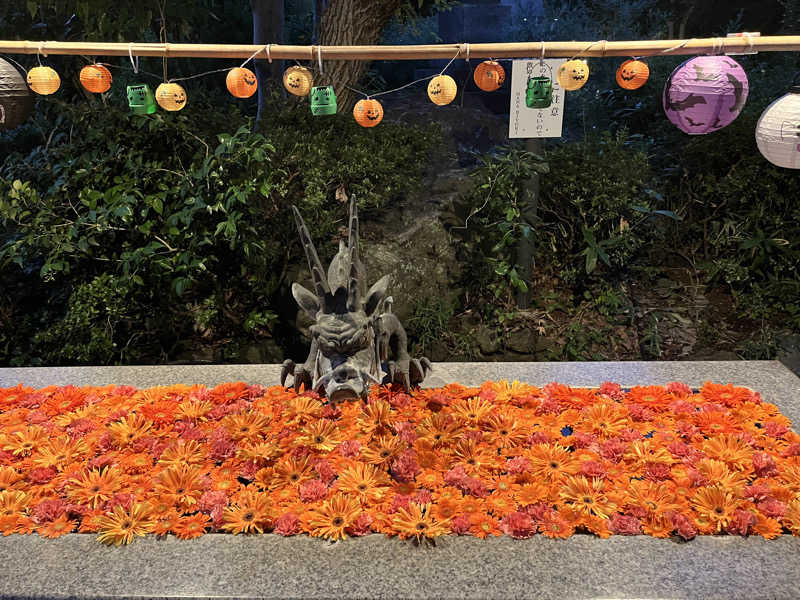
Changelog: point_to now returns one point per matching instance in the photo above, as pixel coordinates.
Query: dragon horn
(353, 300)
(321, 286)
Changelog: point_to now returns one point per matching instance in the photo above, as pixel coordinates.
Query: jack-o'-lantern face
(577, 72)
(373, 114)
(632, 74)
(573, 74)
(298, 80)
(435, 88)
(249, 79)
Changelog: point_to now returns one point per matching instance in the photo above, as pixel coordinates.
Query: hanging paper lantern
(171, 96)
(241, 82)
(778, 131)
(705, 93)
(632, 74)
(489, 75)
(442, 89)
(16, 100)
(573, 74)
(539, 93)
(43, 80)
(96, 78)
(368, 113)
(298, 80)
(323, 100)
(141, 100)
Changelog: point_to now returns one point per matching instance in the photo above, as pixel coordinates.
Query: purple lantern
(705, 94)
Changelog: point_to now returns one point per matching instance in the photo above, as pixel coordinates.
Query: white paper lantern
(778, 131)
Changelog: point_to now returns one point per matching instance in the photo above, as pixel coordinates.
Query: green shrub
(185, 216)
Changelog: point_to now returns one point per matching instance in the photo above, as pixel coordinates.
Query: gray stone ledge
(268, 566)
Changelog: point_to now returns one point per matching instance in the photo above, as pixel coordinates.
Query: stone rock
(486, 341)
(522, 341)
(264, 352)
(421, 262)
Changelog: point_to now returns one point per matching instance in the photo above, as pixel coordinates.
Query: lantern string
(678, 46)
(402, 87)
(319, 58)
(7, 57)
(39, 51)
(135, 64)
(589, 46)
(135, 72)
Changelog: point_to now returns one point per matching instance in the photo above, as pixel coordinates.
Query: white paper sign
(525, 122)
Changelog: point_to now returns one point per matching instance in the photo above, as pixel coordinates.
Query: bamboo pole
(601, 48)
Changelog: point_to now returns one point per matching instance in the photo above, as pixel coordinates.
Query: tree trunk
(268, 17)
(348, 23)
(528, 208)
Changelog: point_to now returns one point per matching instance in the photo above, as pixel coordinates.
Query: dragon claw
(300, 374)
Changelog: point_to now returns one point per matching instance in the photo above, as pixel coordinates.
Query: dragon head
(344, 349)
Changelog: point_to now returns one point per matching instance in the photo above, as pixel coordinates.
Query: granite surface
(224, 566)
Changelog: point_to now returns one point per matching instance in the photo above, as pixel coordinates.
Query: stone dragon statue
(356, 339)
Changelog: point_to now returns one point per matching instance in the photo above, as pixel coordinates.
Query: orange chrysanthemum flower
(94, 487)
(724, 394)
(122, 526)
(183, 483)
(606, 419)
(472, 412)
(184, 453)
(552, 463)
(417, 522)
(714, 506)
(129, 429)
(484, 525)
(333, 517)
(587, 496)
(161, 412)
(291, 471)
(321, 435)
(193, 410)
(376, 418)
(652, 396)
(364, 482)
(555, 526)
(56, 528)
(503, 432)
(251, 512)
(193, 526)
(246, 426)
(438, 429)
(383, 449)
(22, 443)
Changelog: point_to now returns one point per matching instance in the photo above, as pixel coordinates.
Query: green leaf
(158, 205)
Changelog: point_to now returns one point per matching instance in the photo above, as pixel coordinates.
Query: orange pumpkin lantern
(171, 96)
(368, 113)
(632, 74)
(298, 80)
(442, 89)
(43, 80)
(241, 82)
(489, 75)
(96, 78)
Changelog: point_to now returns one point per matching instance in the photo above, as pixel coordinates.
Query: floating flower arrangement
(501, 459)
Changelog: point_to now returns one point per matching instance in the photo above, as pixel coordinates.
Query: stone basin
(583, 566)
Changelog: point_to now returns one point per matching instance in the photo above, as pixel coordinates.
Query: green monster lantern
(539, 93)
(323, 100)
(141, 99)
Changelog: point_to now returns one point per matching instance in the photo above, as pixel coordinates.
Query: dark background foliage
(127, 239)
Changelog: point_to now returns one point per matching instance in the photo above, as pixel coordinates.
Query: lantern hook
(134, 64)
